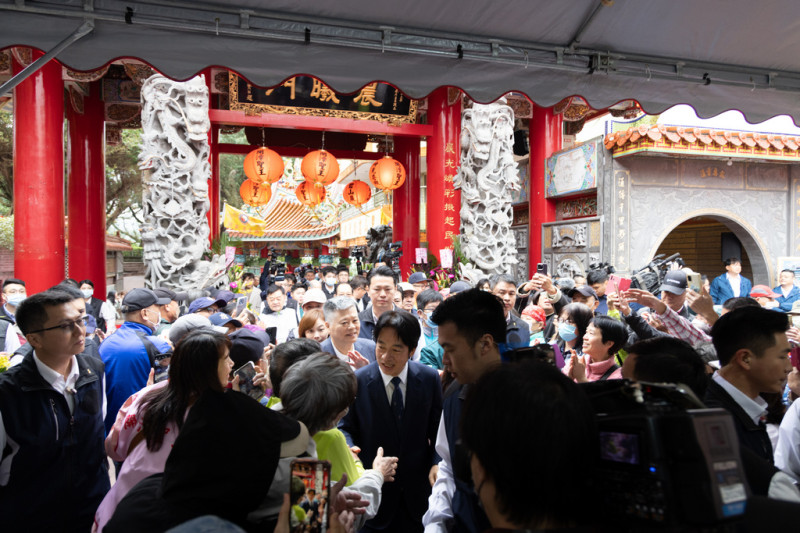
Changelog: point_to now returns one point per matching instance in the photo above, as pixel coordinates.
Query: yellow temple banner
(237, 220)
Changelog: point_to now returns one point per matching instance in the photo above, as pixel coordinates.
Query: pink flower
(234, 285)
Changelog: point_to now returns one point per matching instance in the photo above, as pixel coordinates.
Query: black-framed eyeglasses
(66, 327)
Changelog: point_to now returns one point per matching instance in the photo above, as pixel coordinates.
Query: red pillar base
(405, 203)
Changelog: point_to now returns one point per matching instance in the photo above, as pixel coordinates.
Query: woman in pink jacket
(604, 337)
(149, 421)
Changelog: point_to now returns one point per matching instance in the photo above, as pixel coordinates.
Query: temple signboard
(305, 95)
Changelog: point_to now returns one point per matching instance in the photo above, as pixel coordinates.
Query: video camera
(666, 462)
(608, 268)
(650, 277)
(391, 255)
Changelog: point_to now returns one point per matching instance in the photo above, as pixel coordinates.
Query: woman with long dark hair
(149, 422)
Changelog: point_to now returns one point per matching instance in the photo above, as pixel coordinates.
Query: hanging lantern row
(264, 166)
(255, 193)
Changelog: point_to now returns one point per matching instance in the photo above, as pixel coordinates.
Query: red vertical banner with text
(444, 155)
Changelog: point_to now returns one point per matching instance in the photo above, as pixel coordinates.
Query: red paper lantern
(357, 193)
(320, 168)
(254, 193)
(263, 165)
(387, 174)
(309, 194)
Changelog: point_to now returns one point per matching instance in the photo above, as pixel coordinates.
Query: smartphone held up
(309, 490)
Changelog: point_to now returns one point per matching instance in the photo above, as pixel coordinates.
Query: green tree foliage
(6, 163)
(231, 171)
(124, 183)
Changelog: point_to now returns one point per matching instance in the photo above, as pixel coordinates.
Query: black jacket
(751, 435)
(59, 474)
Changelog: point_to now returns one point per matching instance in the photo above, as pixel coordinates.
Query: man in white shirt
(753, 352)
(52, 407)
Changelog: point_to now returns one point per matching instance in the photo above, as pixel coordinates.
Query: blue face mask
(567, 332)
(15, 300)
(434, 329)
(87, 293)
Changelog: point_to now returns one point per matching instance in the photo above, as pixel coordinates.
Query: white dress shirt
(755, 408)
(387, 383)
(736, 284)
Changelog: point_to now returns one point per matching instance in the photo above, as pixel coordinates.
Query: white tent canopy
(714, 55)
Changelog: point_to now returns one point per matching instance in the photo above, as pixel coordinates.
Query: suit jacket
(721, 290)
(370, 424)
(751, 435)
(363, 346)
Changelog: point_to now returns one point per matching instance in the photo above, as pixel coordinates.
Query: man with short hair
(328, 281)
(753, 352)
(14, 293)
(344, 289)
(788, 292)
(129, 353)
(397, 409)
(597, 280)
(472, 325)
(342, 274)
(517, 331)
(53, 466)
(731, 284)
(359, 284)
(382, 282)
(277, 315)
(342, 321)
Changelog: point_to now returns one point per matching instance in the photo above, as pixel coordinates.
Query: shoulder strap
(608, 372)
(152, 351)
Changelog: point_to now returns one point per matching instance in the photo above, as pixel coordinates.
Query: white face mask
(87, 293)
(330, 282)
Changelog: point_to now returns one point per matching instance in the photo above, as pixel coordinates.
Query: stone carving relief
(569, 236)
(486, 177)
(568, 267)
(174, 161)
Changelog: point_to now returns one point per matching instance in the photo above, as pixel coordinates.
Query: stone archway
(761, 262)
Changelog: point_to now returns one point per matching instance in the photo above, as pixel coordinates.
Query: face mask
(15, 300)
(567, 332)
(432, 327)
(330, 282)
(87, 293)
(151, 325)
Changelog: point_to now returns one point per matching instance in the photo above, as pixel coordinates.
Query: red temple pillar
(39, 177)
(545, 139)
(405, 202)
(213, 159)
(444, 156)
(86, 192)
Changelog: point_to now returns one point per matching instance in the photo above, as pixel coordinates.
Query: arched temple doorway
(699, 240)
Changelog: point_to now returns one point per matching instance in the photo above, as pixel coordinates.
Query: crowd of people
(160, 410)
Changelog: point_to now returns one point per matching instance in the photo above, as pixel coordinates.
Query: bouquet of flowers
(4, 362)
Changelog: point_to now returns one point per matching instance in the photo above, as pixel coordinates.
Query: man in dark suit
(753, 353)
(518, 334)
(382, 283)
(398, 408)
(341, 317)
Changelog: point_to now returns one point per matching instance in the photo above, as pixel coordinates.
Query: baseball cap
(418, 277)
(204, 302)
(762, 291)
(585, 290)
(314, 295)
(406, 287)
(191, 322)
(222, 319)
(459, 286)
(138, 299)
(226, 296)
(161, 292)
(674, 282)
(245, 346)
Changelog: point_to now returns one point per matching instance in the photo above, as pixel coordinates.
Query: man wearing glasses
(127, 352)
(52, 407)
